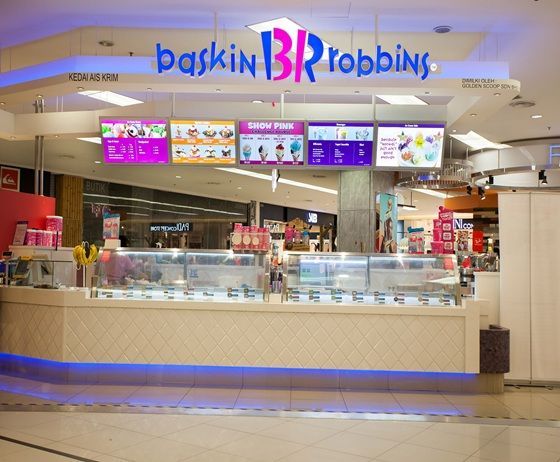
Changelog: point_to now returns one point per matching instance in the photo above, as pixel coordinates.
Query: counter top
(80, 298)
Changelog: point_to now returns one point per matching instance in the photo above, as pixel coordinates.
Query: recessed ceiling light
(96, 161)
(106, 43)
(39, 96)
(149, 89)
(12, 137)
(110, 97)
(257, 101)
(402, 99)
(442, 29)
(497, 94)
(56, 136)
(178, 176)
(473, 114)
(475, 141)
(2, 103)
(80, 88)
(356, 91)
(454, 131)
(218, 90)
(536, 116)
(287, 91)
(427, 93)
(239, 187)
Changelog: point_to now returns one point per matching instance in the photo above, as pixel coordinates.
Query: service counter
(69, 327)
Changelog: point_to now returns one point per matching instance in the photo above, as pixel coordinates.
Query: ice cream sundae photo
(226, 132)
(246, 149)
(180, 153)
(209, 132)
(279, 152)
(178, 132)
(226, 152)
(192, 131)
(362, 134)
(263, 152)
(210, 153)
(419, 150)
(295, 149)
(194, 151)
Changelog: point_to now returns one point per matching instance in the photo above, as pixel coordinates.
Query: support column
(70, 205)
(356, 208)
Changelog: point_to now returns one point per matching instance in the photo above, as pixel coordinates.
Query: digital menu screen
(271, 142)
(133, 141)
(344, 144)
(401, 145)
(203, 142)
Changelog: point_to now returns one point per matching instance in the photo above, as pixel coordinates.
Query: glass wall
(206, 223)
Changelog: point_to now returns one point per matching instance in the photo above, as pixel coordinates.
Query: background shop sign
(10, 178)
(180, 227)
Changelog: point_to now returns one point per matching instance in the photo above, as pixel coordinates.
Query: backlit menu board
(404, 146)
(271, 142)
(203, 142)
(135, 141)
(344, 144)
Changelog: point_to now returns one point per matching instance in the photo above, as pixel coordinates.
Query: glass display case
(175, 274)
(375, 279)
(41, 273)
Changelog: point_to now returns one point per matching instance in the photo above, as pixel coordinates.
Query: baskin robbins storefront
(303, 79)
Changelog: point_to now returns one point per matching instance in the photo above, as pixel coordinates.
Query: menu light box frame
(411, 168)
(272, 165)
(106, 119)
(370, 123)
(235, 146)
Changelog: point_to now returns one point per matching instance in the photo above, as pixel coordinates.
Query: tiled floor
(525, 403)
(520, 425)
(112, 437)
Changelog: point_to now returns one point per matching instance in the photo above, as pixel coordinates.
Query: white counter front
(69, 327)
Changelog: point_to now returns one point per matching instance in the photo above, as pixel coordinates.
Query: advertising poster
(19, 234)
(339, 144)
(416, 240)
(111, 226)
(409, 145)
(203, 142)
(135, 141)
(463, 240)
(386, 235)
(478, 242)
(271, 142)
(447, 230)
(10, 178)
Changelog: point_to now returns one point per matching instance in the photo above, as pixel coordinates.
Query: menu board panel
(203, 142)
(135, 141)
(344, 144)
(271, 142)
(403, 146)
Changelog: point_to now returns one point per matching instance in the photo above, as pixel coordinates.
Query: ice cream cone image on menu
(295, 149)
(279, 152)
(246, 152)
(263, 152)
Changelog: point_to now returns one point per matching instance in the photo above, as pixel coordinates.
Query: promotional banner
(463, 240)
(111, 226)
(271, 142)
(386, 235)
(339, 144)
(10, 178)
(203, 142)
(416, 240)
(478, 241)
(409, 145)
(135, 141)
(447, 230)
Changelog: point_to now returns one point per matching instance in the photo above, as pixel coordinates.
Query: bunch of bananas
(85, 254)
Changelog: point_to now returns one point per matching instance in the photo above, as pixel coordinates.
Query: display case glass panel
(377, 279)
(41, 273)
(173, 274)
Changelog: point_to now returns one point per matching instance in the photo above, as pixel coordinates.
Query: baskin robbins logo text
(309, 52)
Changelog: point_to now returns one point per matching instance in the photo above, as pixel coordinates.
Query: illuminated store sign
(311, 217)
(181, 227)
(460, 224)
(235, 61)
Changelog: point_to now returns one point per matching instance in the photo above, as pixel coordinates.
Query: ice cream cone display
(280, 152)
(205, 143)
